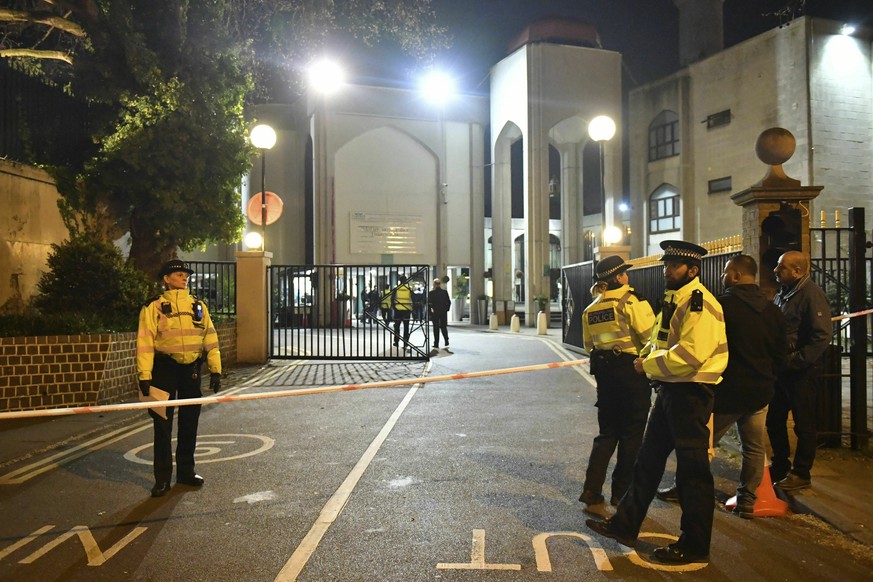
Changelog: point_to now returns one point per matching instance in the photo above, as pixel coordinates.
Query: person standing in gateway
(175, 335)
(439, 303)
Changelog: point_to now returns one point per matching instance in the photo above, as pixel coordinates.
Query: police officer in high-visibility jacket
(615, 327)
(175, 335)
(684, 359)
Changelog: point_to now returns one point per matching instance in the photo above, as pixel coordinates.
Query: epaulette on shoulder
(696, 303)
(151, 300)
(639, 295)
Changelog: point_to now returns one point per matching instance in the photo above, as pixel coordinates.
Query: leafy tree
(166, 82)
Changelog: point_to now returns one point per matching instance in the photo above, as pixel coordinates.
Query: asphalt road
(473, 479)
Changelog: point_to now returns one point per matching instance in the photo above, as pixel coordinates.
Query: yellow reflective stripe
(181, 332)
(689, 358)
(145, 349)
(714, 312)
(721, 349)
(662, 366)
(181, 349)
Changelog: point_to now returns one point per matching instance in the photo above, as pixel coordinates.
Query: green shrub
(33, 323)
(89, 281)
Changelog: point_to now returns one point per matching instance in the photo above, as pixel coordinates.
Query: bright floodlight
(326, 77)
(601, 128)
(437, 87)
(623, 207)
(612, 235)
(263, 137)
(253, 241)
(847, 29)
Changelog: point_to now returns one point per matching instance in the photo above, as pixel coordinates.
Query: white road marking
(400, 483)
(203, 448)
(256, 497)
(477, 557)
(25, 540)
(544, 561)
(59, 459)
(334, 506)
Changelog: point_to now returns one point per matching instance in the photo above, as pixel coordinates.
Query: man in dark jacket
(809, 329)
(438, 303)
(756, 346)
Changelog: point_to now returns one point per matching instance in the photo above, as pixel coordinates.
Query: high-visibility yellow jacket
(403, 298)
(167, 326)
(691, 346)
(617, 319)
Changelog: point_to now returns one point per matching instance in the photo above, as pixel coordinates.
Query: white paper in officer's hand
(156, 395)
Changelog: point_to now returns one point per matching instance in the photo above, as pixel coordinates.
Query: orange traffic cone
(766, 504)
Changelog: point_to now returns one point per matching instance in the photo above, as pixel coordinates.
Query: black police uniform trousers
(623, 401)
(181, 381)
(795, 392)
(401, 315)
(678, 421)
(440, 320)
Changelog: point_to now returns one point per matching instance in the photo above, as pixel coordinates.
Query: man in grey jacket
(808, 329)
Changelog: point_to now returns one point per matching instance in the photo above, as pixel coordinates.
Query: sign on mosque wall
(384, 234)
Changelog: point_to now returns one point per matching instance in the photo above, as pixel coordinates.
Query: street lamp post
(601, 129)
(263, 137)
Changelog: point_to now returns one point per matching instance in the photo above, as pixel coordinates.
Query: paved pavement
(842, 493)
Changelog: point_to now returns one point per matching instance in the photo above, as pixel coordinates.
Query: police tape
(849, 315)
(279, 393)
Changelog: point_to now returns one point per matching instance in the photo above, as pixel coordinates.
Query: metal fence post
(860, 435)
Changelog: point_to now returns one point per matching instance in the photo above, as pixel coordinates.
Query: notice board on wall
(384, 234)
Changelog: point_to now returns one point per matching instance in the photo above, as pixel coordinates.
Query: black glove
(144, 387)
(215, 382)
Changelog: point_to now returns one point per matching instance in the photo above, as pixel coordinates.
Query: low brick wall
(78, 370)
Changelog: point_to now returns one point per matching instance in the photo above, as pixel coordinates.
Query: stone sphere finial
(774, 147)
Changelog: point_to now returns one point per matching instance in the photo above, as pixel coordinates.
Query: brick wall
(78, 370)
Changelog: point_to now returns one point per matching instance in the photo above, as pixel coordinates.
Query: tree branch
(36, 54)
(45, 18)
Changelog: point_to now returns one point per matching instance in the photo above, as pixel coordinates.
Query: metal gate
(348, 312)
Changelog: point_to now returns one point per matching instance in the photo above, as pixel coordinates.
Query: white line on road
(30, 471)
(334, 506)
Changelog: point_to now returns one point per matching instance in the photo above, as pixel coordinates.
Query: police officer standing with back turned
(615, 327)
(684, 358)
(175, 334)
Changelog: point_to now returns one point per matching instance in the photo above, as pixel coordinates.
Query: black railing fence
(347, 312)
(215, 283)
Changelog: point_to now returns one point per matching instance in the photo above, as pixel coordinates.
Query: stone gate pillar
(252, 308)
(776, 210)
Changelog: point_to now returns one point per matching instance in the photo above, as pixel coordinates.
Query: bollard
(492, 321)
(515, 324)
(542, 323)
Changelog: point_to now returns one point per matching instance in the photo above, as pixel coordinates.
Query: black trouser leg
(647, 472)
(163, 448)
(777, 430)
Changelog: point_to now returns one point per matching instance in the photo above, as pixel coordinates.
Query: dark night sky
(644, 31)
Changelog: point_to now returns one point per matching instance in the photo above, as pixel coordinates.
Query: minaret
(701, 29)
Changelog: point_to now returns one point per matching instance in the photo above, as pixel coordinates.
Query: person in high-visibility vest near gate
(175, 336)
(615, 327)
(402, 306)
(684, 359)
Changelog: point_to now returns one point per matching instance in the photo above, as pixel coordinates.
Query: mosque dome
(565, 31)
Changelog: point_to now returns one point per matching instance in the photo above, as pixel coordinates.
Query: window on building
(720, 185)
(718, 119)
(664, 215)
(664, 136)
